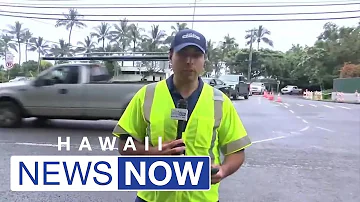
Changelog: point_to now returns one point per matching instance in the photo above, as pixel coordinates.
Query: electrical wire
(186, 15)
(175, 3)
(188, 6)
(185, 21)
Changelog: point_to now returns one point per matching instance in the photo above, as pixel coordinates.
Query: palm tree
(135, 36)
(27, 37)
(178, 27)
(153, 43)
(2, 48)
(18, 32)
(260, 35)
(61, 50)
(228, 45)
(102, 33)
(121, 35)
(86, 47)
(213, 58)
(39, 45)
(71, 19)
(156, 37)
(7, 43)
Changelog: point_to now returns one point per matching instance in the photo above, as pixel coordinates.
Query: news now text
(109, 173)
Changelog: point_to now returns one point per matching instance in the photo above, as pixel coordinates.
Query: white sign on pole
(9, 61)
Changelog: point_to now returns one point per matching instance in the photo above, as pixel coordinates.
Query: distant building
(131, 73)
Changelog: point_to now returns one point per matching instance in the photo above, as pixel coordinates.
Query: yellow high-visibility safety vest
(213, 124)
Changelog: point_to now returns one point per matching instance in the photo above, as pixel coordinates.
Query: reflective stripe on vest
(218, 104)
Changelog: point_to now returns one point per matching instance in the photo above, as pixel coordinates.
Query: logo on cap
(190, 35)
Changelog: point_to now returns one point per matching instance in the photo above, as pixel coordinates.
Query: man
(212, 124)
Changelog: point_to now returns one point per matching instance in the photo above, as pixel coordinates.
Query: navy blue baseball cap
(188, 37)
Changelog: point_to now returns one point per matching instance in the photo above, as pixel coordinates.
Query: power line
(188, 6)
(185, 21)
(178, 3)
(186, 15)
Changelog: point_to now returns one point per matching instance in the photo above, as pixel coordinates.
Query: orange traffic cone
(271, 97)
(278, 98)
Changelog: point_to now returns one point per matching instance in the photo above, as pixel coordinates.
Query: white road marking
(259, 100)
(305, 121)
(286, 107)
(328, 130)
(329, 106)
(37, 144)
(300, 105)
(291, 111)
(304, 129)
(344, 107)
(312, 105)
(52, 145)
(298, 117)
(286, 104)
(270, 139)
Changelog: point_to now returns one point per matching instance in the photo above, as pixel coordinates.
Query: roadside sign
(9, 61)
(9, 65)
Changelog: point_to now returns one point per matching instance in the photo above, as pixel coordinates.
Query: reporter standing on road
(213, 122)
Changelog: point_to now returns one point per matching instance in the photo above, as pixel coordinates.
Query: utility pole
(252, 32)
(192, 23)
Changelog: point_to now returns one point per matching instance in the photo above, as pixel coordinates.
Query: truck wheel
(246, 97)
(228, 94)
(10, 115)
(236, 96)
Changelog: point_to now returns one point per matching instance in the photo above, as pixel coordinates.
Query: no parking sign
(9, 58)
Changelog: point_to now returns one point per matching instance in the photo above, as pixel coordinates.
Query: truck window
(64, 75)
(99, 73)
(219, 82)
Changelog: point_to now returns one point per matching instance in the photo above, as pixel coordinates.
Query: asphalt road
(303, 151)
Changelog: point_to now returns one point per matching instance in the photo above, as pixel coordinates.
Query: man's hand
(218, 176)
(170, 148)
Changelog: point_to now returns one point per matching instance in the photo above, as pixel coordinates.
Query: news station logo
(110, 173)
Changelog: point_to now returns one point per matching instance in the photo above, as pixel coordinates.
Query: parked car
(19, 78)
(217, 83)
(81, 91)
(291, 90)
(238, 84)
(257, 88)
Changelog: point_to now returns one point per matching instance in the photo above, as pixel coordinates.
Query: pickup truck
(82, 91)
(218, 84)
(238, 85)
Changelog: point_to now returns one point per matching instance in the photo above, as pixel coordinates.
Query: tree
(40, 46)
(102, 33)
(336, 52)
(71, 19)
(86, 47)
(350, 71)
(18, 32)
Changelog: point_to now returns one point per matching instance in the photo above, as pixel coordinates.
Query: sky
(283, 34)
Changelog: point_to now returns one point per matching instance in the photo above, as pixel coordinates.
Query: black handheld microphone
(182, 104)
